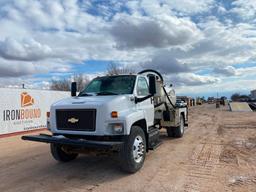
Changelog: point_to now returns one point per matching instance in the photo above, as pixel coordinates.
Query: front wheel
(60, 155)
(133, 152)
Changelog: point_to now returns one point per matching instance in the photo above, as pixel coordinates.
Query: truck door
(148, 105)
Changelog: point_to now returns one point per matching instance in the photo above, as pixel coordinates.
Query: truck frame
(125, 117)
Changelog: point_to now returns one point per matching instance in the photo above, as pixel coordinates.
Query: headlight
(117, 128)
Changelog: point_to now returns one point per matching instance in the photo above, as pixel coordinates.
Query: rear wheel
(60, 155)
(170, 131)
(179, 131)
(133, 152)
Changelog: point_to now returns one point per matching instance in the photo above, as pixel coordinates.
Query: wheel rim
(138, 149)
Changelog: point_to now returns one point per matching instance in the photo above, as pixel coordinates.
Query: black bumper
(61, 140)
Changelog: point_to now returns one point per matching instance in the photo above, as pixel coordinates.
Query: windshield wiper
(106, 93)
(84, 94)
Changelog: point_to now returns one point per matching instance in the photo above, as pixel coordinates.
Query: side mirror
(73, 89)
(152, 84)
(171, 85)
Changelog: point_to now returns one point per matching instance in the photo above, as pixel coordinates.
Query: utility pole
(217, 101)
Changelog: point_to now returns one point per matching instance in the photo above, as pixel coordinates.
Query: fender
(130, 118)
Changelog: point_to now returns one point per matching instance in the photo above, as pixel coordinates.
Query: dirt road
(217, 153)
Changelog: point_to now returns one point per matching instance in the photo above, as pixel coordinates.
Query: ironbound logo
(20, 114)
(73, 120)
(26, 99)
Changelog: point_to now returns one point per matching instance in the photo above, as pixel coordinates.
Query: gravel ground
(217, 153)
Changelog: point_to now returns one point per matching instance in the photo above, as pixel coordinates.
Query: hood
(90, 100)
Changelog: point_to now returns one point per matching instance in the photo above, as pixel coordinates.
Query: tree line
(239, 97)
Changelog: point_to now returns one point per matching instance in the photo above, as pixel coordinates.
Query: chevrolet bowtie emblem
(73, 120)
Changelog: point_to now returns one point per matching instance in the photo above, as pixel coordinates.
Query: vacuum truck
(120, 114)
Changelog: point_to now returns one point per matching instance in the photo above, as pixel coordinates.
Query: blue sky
(201, 46)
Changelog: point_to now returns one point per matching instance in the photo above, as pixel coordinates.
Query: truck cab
(118, 113)
(106, 107)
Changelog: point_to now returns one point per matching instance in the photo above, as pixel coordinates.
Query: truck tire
(133, 152)
(170, 131)
(60, 155)
(179, 131)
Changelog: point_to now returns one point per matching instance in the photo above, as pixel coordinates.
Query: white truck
(122, 114)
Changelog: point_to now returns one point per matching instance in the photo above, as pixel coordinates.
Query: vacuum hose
(161, 77)
(169, 98)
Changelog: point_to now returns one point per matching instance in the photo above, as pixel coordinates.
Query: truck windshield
(110, 85)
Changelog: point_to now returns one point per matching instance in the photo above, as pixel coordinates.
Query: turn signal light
(48, 114)
(114, 114)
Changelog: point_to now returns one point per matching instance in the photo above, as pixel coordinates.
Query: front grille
(76, 119)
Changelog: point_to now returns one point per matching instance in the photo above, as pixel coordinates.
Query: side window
(142, 87)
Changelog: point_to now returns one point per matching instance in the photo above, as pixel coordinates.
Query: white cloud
(227, 71)
(153, 8)
(221, 45)
(133, 31)
(177, 7)
(246, 9)
(17, 69)
(221, 9)
(166, 64)
(175, 37)
(190, 6)
(25, 50)
(247, 72)
(58, 33)
(191, 79)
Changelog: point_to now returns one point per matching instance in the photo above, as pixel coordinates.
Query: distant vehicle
(211, 100)
(180, 103)
(199, 101)
(223, 100)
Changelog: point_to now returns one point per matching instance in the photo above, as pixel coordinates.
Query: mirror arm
(138, 100)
